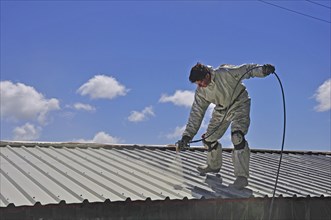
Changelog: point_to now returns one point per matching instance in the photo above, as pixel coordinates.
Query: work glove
(267, 69)
(183, 144)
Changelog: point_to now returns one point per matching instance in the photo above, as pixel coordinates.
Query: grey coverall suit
(219, 92)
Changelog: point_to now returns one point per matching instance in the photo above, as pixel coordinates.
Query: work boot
(240, 183)
(204, 169)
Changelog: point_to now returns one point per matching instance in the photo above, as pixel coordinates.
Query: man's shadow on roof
(219, 189)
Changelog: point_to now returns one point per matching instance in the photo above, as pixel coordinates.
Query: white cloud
(85, 107)
(210, 110)
(102, 138)
(22, 102)
(177, 133)
(136, 116)
(180, 98)
(185, 98)
(102, 87)
(208, 116)
(323, 96)
(26, 132)
(67, 115)
(226, 140)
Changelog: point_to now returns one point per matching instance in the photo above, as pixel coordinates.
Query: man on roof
(222, 86)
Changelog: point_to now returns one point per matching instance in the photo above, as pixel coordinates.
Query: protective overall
(224, 79)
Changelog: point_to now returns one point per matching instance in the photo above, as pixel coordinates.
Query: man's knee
(238, 140)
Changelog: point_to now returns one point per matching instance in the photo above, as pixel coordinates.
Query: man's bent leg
(214, 158)
(214, 132)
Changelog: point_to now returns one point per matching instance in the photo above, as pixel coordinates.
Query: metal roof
(48, 173)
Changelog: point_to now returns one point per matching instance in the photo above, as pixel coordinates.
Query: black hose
(284, 130)
(282, 148)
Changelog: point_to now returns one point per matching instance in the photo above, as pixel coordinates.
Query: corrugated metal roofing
(48, 173)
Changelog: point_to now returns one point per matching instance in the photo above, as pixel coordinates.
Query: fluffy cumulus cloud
(210, 111)
(26, 132)
(177, 133)
(323, 96)
(180, 98)
(22, 102)
(102, 138)
(83, 107)
(102, 87)
(136, 116)
(185, 99)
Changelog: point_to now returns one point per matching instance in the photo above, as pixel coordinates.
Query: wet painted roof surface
(49, 173)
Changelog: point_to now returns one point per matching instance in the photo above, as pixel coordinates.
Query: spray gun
(183, 144)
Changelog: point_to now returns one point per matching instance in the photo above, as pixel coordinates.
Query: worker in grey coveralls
(217, 86)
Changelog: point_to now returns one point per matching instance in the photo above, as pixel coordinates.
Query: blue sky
(117, 71)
